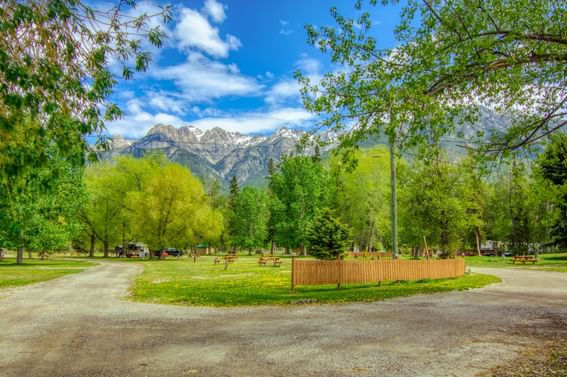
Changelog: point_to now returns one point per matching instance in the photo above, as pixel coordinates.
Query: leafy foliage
(363, 196)
(40, 212)
(55, 64)
(251, 212)
(432, 203)
(300, 188)
(449, 55)
(55, 81)
(553, 166)
(150, 200)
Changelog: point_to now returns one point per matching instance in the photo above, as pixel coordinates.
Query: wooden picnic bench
(524, 258)
(230, 258)
(264, 260)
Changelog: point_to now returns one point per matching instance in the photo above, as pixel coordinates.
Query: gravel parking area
(80, 325)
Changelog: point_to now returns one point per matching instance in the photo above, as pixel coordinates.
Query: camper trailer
(133, 250)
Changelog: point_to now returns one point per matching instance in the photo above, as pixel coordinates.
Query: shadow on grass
(557, 258)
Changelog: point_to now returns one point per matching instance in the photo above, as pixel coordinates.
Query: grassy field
(36, 270)
(548, 262)
(183, 282)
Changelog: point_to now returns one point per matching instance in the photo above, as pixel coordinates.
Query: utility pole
(393, 198)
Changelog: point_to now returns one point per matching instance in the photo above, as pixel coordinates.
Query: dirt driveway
(78, 326)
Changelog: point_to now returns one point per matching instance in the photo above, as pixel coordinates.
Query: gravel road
(80, 325)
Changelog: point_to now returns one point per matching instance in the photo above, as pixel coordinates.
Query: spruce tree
(327, 236)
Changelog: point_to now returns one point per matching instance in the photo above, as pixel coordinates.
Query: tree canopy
(57, 60)
(149, 200)
(553, 166)
(300, 188)
(449, 57)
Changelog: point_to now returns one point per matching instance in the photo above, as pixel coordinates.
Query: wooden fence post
(339, 264)
(292, 275)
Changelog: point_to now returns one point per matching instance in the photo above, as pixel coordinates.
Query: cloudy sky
(230, 64)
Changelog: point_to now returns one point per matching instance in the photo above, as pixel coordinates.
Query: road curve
(80, 325)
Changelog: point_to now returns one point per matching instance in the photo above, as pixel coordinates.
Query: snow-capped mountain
(215, 153)
(218, 154)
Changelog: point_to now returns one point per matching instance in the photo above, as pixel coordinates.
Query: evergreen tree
(327, 236)
(232, 218)
(553, 166)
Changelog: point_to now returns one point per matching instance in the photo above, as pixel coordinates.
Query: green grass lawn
(547, 262)
(36, 270)
(183, 282)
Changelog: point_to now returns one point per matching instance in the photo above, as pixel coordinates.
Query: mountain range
(216, 154)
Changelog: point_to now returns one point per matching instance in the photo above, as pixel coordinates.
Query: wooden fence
(315, 272)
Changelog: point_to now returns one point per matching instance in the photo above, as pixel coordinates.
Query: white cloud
(202, 79)
(285, 30)
(215, 10)
(287, 89)
(308, 65)
(193, 30)
(259, 121)
(138, 121)
(166, 102)
(283, 91)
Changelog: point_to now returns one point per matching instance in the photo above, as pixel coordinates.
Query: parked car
(169, 251)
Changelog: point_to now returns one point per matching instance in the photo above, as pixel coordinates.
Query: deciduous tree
(300, 188)
(448, 57)
(252, 213)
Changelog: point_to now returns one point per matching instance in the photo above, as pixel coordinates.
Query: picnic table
(524, 258)
(264, 260)
(230, 258)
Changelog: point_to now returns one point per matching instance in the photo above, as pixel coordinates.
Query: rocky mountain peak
(215, 153)
(163, 129)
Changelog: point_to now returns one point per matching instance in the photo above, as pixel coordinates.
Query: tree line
(450, 204)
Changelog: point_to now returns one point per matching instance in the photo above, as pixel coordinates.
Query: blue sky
(230, 64)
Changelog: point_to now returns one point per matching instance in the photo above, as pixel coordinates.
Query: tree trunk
(20, 255)
(304, 251)
(30, 254)
(477, 235)
(393, 199)
(92, 247)
(106, 248)
(272, 248)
